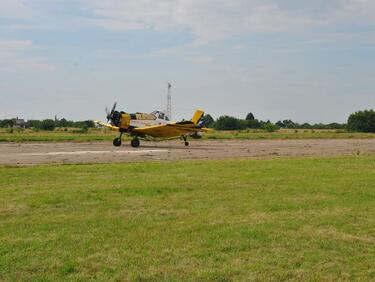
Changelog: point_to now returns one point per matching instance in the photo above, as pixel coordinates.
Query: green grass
(74, 135)
(283, 219)
(287, 134)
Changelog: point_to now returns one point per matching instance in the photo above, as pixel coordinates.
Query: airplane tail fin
(197, 116)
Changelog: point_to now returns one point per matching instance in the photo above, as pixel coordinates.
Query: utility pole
(169, 101)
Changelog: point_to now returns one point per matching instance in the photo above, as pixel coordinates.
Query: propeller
(110, 113)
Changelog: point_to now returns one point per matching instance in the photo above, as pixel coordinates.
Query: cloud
(13, 58)
(206, 20)
(14, 9)
(218, 19)
(10, 45)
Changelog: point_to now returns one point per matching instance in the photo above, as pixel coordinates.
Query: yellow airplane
(154, 125)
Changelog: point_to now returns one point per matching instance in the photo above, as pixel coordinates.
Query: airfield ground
(104, 152)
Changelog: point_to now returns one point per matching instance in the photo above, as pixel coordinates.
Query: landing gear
(135, 143)
(185, 141)
(117, 142)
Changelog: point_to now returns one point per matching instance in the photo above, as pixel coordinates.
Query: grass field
(92, 135)
(72, 135)
(281, 219)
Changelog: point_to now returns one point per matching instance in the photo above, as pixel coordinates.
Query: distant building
(18, 122)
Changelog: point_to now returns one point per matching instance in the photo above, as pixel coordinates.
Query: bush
(32, 123)
(47, 124)
(270, 127)
(6, 123)
(363, 121)
(64, 123)
(85, 123)
(306, 126)
(253, 123)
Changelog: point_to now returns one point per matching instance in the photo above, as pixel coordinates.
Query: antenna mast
(169, 102)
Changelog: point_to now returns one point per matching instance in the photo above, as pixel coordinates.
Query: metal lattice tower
(169, 102)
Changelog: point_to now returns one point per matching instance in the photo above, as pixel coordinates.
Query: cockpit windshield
(160, 115)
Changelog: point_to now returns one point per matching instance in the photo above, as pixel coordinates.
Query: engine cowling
(120, 119)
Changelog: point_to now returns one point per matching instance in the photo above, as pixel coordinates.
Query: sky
(309, 61)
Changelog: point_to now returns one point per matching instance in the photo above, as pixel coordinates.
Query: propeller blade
(110, 113)
(114, 107)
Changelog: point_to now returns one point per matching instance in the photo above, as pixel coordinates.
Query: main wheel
(135, 143)
(186, 143)
(117, 142)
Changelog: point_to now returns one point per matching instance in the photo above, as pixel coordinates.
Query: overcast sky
(304, 60)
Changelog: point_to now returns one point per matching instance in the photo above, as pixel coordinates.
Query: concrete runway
(104, 152)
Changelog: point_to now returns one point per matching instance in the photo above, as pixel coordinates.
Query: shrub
(47, 124)
(270, 127)
(32, 123)
(6, 123)
(253, 123)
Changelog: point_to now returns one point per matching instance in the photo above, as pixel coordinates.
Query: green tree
(363, 121)
(62, 123)
(306, 126)
(208, 121)
(227, 123)
(270, 127)
(335, 125)
(33, 123)
(85, 123)
(6, 123)
(279, 124)
(47, 124)
(253, 124)
(250, 116)
(290, 124)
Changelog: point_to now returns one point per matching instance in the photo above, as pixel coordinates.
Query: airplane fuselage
(143, 123)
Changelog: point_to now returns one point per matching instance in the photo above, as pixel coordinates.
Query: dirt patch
(102, 152)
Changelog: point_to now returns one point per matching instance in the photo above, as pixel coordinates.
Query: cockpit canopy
(160, 115)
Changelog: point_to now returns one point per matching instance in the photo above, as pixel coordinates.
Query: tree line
(233, 123)
(362, 121)
(49, 124)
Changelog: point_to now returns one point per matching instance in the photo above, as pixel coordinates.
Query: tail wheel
(185, 140)
(117, 142)
(135, 143)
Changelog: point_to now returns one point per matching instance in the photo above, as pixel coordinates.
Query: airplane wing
(171, 129)
(115, 128)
